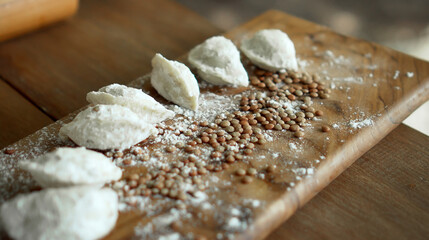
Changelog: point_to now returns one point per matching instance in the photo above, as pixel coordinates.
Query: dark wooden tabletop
(46, 75)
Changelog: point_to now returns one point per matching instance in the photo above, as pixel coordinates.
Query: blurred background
(399, 24)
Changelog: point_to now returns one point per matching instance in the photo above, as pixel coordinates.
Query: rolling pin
(21, 16)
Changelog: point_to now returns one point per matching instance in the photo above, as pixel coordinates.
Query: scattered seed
(189, 149)
(216, 154)
(324, 95)
(170, 149)
(294, 128)
(310, 109)
(229, 129)
(202, 171)
(291, 97)
(314, 95)
(169, 183)
(127, 161)
(262, 141)
(197, 152)
(193, 173)
(240, 172)
(181, 196)
(309, 115)
(132, 184)
(181, 205)
(300, 114)
(218, 169)
(252, 171)
(245, 108)
(326, 128)
(164, 191)
(192, 159)
(239, 130)
(9, 151)
(225, 165)
(300, 120)
(248, 152)
(205, 139)
(230, 159)
(318, 113)
(299, 134)
(134, 177)
(137, 151)
(210, 167)
(250, 146)
(271, 168)
(298, 93)
(253, 121)
(247, 179)
(225, 123)
(147, 192)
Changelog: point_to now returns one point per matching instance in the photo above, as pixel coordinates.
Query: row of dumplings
(74, 205)
(217, 61)
(123, 116)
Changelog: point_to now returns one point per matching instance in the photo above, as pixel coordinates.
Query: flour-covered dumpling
(135, 99)
(107, 127)
(270, 49)
(65, 213)
(65, 167)
(175, 82)
(218, 61)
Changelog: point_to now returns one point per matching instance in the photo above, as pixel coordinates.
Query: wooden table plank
(383, 195)
(108, 41)
(18, 116)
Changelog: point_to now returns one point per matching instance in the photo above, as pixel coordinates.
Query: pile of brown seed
(295, 86)
(232, 136)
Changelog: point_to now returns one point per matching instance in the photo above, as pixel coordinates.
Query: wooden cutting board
(373, 90)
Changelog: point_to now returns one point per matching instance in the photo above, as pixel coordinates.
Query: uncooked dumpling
(66, 213)
(270, 49)
(107, 127)
(218, 61)
(175, 82)
(135, 99)
(72, 166)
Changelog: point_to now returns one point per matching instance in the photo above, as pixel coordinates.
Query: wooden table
(45, 75)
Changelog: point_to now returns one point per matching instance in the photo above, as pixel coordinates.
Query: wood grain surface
(383, 195)
(107, 41)
(19, 117)
(365, 87)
